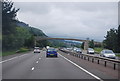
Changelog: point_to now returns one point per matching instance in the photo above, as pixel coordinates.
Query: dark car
(51, 52)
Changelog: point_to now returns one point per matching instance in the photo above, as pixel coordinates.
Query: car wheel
(55, 55)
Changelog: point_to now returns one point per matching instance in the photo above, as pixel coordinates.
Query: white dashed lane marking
(32, 68)
(36, 61)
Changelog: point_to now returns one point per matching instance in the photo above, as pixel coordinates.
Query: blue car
(51, 52)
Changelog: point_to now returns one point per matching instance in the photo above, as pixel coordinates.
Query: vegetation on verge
(98, 50)
(16, 34)
(112, 40)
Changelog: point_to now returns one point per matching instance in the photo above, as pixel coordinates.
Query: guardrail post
(84, 58)
(105, 63)
(98, 61)
(72, 54)
(88, 58)
(114, 66)
(92, 59)
(77, 55)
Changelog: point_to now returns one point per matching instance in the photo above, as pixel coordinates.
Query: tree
(29, 42)
(119, 39)
(91, 44)
(8, 17)
(42, 43)
(82, 46)
(111, 40)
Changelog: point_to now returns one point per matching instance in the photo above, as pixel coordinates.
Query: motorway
(37, 66)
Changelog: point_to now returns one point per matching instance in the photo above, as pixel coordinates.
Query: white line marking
(12, 58)
(32, 68)
(81, 68)
(39, 58)
(36, 61)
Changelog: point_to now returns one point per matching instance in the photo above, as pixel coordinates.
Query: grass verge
(98, 50)
(118, 55)
(21, 50)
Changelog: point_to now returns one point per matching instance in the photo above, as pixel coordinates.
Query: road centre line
(82, 68)
(13, 58)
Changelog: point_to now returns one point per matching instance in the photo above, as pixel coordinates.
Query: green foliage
(36, 32)
(56, 43)
(21, 36)
(98, 50)
(98, 45)
(91, 44)
(112, 40)
(8, 53)
(29, 42)
(21, 50)
(118, 39)
(17, 40)
(41, 43)
(8, 17)
(118, 55)
(17, 34)
(82, 46)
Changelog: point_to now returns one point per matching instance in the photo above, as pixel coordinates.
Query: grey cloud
(77, 20)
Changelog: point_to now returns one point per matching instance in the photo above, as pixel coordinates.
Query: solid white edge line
(32, 68)
(12, 58)
(81, 68)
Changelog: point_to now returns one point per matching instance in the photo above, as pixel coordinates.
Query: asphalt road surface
(37, 66)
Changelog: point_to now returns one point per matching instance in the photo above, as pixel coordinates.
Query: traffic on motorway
(52, 52)
(104, 53)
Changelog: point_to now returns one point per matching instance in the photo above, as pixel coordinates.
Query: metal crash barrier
(93, 58)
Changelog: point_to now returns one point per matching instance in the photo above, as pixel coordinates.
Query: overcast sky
(70, 20)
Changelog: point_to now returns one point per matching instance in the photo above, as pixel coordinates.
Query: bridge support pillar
(86, 44)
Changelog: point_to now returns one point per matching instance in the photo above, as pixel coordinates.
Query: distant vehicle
(47, 47)
(108, 54)
(90, 51)
(36, 50)
(69, 49)
(78, 50)
(51, 52)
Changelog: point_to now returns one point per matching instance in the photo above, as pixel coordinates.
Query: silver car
(78, 50)
(108, 54)
(90, 51)
(36, 50)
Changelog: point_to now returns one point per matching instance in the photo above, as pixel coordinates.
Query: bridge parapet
(86, 42)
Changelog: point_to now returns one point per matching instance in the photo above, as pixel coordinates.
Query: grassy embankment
(118, 55)
(98, 50)
(21, 50)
